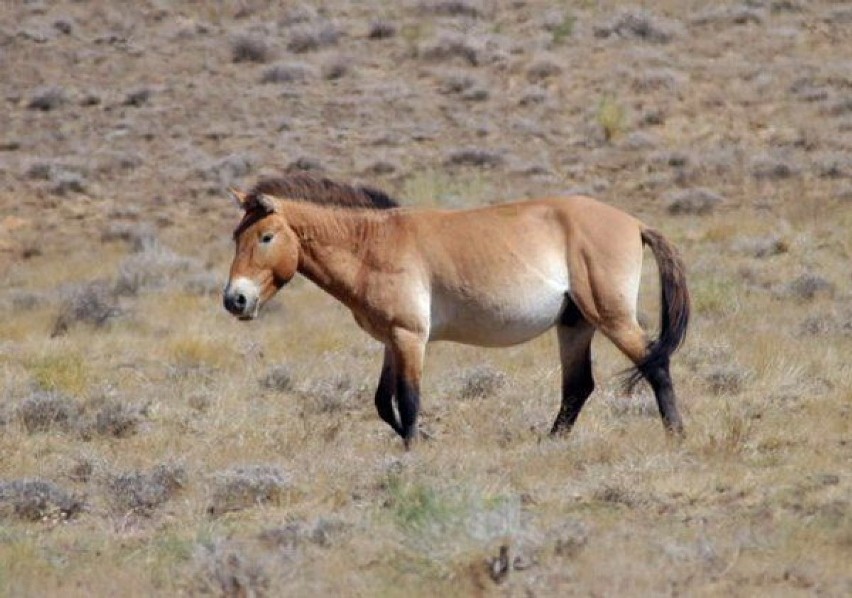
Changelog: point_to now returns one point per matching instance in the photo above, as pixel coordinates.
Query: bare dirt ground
(153, 446)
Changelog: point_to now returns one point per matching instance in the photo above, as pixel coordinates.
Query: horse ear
(267, 203)
(239, 196)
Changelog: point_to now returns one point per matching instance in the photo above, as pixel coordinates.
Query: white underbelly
(497, 321)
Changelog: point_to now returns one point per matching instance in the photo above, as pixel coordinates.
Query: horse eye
(266, 238)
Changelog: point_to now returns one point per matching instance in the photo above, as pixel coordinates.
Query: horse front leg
(408, 351)
(385, 393)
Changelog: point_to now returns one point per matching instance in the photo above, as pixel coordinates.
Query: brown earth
(151, 445)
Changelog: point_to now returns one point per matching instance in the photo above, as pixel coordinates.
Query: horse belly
(510, 321)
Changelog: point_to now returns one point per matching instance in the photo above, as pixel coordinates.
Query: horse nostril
(240, 301)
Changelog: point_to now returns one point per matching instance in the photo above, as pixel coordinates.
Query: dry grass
(173, 450)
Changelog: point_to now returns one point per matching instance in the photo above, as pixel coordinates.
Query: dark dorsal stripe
(303, 186)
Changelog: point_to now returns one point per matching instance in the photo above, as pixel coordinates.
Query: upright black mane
(303, 186)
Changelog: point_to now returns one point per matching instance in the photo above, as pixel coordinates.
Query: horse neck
(334, 245)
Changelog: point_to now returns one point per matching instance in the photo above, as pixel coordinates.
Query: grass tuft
(65, 372)
(611, 117)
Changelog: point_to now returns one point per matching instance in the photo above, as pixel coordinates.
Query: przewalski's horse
(491, 276)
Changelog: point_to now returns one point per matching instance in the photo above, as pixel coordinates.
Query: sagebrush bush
(138, 235)
(91, 303)
(642, 25)
(250, 48)
(43, 411)
(451, 8)
(143, 492)
(381, 30)
(311, 38)
(481, 382)
(279, 378)
(155, 267)
(35, 499)
(47, 98)
(695, 201)
(226, 568)
(286, 73)
(246, 487)
(117, 419)
(449, 46)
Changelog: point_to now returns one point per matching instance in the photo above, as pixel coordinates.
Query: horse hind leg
(629, 337)
(575, 352)
(612, 311)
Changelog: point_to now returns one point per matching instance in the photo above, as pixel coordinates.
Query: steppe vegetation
(151, 445)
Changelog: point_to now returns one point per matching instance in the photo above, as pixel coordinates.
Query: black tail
(674, 307)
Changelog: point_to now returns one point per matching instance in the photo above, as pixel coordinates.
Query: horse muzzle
(242, 298)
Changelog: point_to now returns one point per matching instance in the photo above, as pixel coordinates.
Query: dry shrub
(286, 73)
(570, 538)
(47, 98)
(770, 167)
(617, 494)
(381, 30)
(230, 569)
(250, 47)
(761, 247)
(249, 486)
(35, 499)
(138, 235)
(331, 394)
(641, 404)
(143, 492)
(278, 378)
(203, 283)
(292, 535)
(694, 202)
(91, 303)
(66, 181)
(806, 287)
(472, 156)
(449, 46)
(456, 82)
(225, 172)
(828, 323)
(543, 68)
(728, 380)
(834, 165)
(48, 410)
(311, 38)
(335, 68)
(117, 419)
(152, 268)
(138, 97)
(633, 23)
(660, 79)
(451, 8)
(481, 382)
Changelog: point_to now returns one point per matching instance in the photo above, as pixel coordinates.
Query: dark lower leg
(661, 382)
(384, 396)
(577, 385)
(408, 405)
